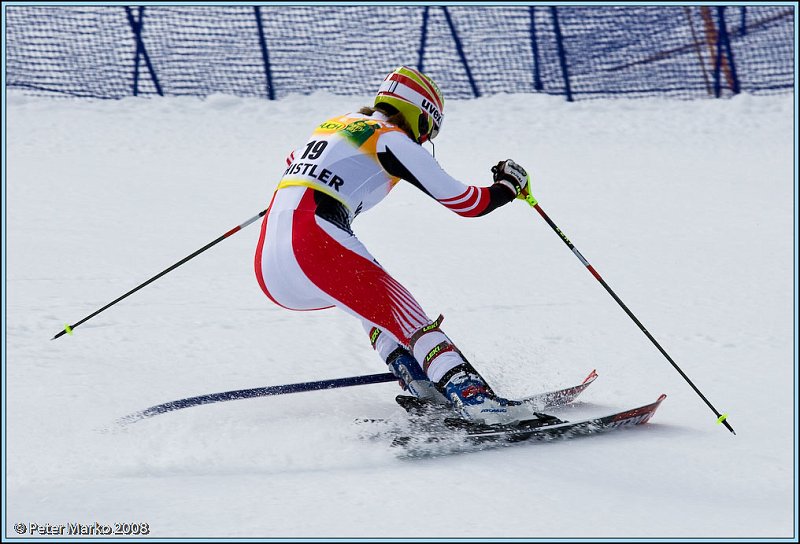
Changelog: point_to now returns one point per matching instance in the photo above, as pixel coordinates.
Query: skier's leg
(285, 282)
(304, 262)
(403, 364)
(344, 273)
(307, 262)
(459, 382)
(277, 271)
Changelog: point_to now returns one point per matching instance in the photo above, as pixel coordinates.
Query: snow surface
(685, 208)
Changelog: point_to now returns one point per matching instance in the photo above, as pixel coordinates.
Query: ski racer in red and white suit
(308, 257)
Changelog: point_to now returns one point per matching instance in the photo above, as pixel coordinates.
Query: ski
(538, 401)
(423, 413)
(453, 434)
(560, 397)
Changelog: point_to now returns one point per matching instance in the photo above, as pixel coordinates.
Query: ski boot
(425, 394)
(475, 401)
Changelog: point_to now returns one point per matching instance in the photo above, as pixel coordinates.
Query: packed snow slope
(685, 208)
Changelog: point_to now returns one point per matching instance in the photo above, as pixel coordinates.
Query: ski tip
(662, 397)
(591, 377)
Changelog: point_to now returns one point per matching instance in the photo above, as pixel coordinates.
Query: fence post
(423, 39)
(136, 27)
(136, 65)
(717, 68)
(264, 53)
(537, 77)
(743, 25)
(562, 55)
(460, 50)
(713, 39)
(696, 41)
(725, 42)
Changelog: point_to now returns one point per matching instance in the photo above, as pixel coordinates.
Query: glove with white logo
(513, 177)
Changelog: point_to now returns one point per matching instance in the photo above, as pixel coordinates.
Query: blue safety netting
(272, 51)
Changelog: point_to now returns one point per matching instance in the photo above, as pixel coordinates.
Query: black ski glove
(512, 176)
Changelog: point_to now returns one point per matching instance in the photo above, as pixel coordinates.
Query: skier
(308, 257)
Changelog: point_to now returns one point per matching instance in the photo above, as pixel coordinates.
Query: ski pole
(69, 328)
(528, 197)
(256, 392)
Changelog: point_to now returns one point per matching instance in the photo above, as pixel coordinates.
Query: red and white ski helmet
(417, 98)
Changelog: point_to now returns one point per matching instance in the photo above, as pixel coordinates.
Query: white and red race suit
(308, 257)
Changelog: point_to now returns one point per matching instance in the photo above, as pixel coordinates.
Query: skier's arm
(402, 158)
